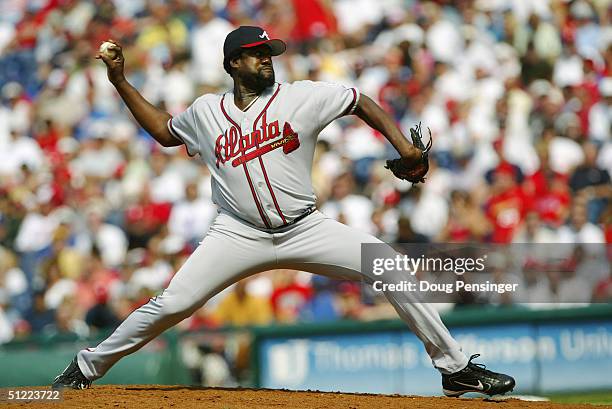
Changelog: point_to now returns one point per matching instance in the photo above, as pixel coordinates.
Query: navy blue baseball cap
(247, 37)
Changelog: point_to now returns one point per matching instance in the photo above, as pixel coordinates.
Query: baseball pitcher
(258, 142)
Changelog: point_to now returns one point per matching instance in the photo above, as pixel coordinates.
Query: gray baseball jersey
(261, 159)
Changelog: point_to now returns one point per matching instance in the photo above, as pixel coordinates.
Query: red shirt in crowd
(290, 299)
(548, 196)
(148, 215)
(312, 20)
(506, 210)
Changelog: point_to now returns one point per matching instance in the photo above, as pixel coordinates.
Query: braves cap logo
(265, 35)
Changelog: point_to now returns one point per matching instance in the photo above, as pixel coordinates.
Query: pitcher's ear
(234, 61)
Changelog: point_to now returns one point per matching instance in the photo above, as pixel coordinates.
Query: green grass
(595, 398)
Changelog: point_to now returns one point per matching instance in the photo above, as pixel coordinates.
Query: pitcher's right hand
(114, 66)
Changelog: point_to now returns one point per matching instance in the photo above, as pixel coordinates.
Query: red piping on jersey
(263, 168)
(173, 132)
(351, 106)
(268, 182)
(246, 171)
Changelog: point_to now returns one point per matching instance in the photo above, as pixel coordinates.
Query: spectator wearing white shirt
(178, 87)
(568, 69)
(99, 157)
(564, 154)
(444, 38)
(579, 230)
(58, 287)
(534, 232)
(167, 185)
(430, 214)
(600, 114)
(19, 108)
(6, 328)
(36, 230)
(588, 33)
(13, 281)
(20, 150)
(604, 158)
(353, 15)
(156, 271)
(191, 217)
(110, 240)
(351, 209)
(209, 32)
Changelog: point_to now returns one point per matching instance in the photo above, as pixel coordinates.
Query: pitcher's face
(254, 67)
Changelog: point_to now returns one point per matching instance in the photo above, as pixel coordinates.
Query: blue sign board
(543, 358)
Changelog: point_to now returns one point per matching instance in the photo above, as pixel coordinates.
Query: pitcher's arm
(151, 118)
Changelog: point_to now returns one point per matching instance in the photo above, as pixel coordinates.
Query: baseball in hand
(108, 49)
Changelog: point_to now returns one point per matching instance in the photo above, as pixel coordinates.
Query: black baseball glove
(408, 169)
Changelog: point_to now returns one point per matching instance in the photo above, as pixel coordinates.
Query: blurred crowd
(95, 218)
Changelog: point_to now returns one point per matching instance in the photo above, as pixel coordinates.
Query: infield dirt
(158, 396)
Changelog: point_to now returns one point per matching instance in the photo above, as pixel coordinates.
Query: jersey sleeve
(185, 128)
(334, 101)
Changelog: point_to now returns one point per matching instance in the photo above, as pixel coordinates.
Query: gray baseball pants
(232, 251)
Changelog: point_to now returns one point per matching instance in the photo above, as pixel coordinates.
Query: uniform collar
(256, 107)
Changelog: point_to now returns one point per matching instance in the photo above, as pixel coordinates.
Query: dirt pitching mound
(158, 396)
